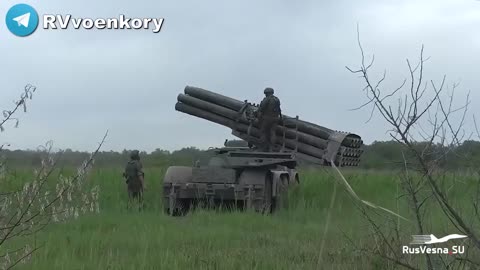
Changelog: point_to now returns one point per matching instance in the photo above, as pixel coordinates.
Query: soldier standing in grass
(269, 114)
(134, 177)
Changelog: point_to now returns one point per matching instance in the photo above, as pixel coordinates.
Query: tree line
(378, 155)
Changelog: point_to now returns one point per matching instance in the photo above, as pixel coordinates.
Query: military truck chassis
(246, 182)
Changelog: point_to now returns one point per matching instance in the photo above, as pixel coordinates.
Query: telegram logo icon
(22, 20)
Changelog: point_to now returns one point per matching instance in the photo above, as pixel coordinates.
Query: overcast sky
(89, 81)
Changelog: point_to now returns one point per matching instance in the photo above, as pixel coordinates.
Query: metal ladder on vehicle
(210, 195)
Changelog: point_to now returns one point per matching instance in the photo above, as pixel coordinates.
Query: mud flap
(249, 198)
(281, 198)
(172, 201)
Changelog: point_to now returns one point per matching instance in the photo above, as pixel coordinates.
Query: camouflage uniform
(134, 178)
(269, 113)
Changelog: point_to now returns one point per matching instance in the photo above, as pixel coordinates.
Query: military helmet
(135, 154)
(268, 90)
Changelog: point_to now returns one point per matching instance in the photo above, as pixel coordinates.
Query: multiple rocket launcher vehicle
(246, 177)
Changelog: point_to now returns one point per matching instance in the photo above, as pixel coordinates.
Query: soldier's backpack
(131, 171)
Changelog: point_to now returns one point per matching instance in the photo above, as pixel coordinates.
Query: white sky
(127, 81)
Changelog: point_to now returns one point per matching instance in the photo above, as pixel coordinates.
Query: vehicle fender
(257, 177)
(178, 174)
(276, 179)
(252, 177)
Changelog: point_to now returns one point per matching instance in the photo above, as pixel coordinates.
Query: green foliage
(121, 239)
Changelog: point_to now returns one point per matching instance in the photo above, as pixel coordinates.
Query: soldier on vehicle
(269, 114)
(134, 177)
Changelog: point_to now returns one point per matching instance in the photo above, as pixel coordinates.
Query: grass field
(291, 239)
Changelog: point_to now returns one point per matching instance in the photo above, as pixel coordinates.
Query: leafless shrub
(8, 115)
(424, 119)
(47, 198)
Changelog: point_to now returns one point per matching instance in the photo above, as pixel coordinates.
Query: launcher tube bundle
(311, 142)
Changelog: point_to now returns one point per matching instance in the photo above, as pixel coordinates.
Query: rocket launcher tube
(252, 134)
(350, 140)
(208, 106)
(339, 159)
(215, 98)
(235, 116)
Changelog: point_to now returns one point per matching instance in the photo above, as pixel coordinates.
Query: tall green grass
(290, 239)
